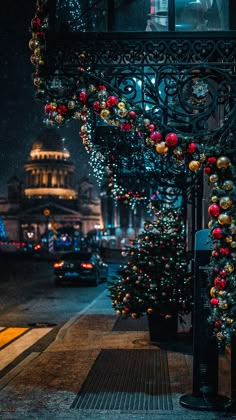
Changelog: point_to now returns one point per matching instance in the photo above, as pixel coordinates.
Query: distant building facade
(49, 204)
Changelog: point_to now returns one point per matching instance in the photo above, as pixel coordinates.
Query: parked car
(80, 267)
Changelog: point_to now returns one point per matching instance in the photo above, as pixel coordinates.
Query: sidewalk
(92, 371)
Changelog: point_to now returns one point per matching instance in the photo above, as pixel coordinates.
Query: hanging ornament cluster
(39, 26)
(222, 225)
(62, 107)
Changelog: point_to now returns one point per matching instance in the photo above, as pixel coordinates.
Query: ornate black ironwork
(186, 83)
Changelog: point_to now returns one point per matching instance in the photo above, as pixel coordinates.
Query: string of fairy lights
(93, 95)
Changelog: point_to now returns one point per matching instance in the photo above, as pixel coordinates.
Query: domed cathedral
(49, 171)
(50, 208)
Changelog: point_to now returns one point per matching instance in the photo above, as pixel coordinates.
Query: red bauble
(211, 160)
(132, 114)
(171, 139)
(36, 23)
(151, 127)
(218, 324)
(49, 108)
(223, 273)
(112, 101)
(62, 109)
(217, 233)
(219, 283)
(224, 251)
(207, 170)
(96, 106)
(191, 148)
(83, 96)
(214, 301)
(156, 136)
(214, 210)
(126, 127)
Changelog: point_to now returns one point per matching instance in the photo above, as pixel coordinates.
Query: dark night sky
(21, 114)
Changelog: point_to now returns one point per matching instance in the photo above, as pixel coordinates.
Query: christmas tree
(156, 277)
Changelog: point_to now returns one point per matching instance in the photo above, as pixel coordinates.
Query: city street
(33, 309)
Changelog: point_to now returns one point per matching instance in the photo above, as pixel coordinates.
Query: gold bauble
(121, 105)
(225, 202)
(103, 105)
(202, 157)
(92, 88)
(228, 185)
(105, 113)
(33, 44)
(214, 199)
(161, 147)
(233, 244)
(228, 239)
(210, 223)
(41, 61)
(213, 178)
(71, 104)
(59, 118)
(77, 115)
(37, 52)
(220, 336)
(233, 230)
(122, 112)
(223, 306)
(146, 122)
(194, 165)
(229, 321)
(224, 219)
(213, 292)
(223, 162)
(229, 267)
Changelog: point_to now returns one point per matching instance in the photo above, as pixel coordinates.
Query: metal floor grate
(127, 380)
(129, 324)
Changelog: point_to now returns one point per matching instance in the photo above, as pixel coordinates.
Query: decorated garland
(99, 98)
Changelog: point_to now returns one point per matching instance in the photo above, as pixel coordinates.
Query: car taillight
(89, 266)
(58, 264)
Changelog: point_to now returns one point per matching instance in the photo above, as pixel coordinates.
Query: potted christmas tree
(156, 281)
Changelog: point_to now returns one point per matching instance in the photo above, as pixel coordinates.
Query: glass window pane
(158, 18)
(202, 15)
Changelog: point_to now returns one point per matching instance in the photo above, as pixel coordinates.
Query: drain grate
(129, 324)
(127, 380)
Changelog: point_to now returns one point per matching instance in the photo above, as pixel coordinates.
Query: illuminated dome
(49, 172)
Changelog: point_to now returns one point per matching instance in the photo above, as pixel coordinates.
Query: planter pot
(162, 328)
